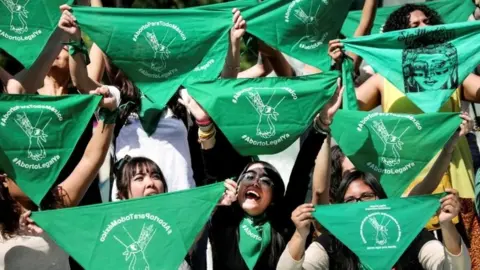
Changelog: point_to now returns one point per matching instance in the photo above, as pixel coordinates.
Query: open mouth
(252, 195)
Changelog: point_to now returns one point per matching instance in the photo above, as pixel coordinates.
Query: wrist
(447, 225)
(299, 236)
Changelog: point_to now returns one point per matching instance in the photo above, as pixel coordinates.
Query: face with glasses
(255, 190)
(358, 191)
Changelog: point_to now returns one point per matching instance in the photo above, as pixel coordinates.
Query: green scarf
(427, 64)
(26, 27)
(450, 11)
(38, 135)
(392, 146)
(380, 231)
(153, 232)
(264, 115)
(299, 28)
(158, 49)
(255, 237)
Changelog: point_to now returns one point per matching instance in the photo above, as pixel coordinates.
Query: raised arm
(32, 78)
(77, 64)
(96, 68)
(370, 92)
(434, 176)
(364, 28)
(321, 174)
(232, 63)
(261, 69)
(279, 64)
(74, 187)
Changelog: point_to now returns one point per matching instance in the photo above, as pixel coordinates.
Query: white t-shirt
(167, 146)
(32, 253)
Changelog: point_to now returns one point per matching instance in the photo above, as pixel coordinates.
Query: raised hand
(465, 127)
(325, 118)
(28, 225)
(239, 26)
(302, 218)
(335, 50)
(450, 206)
(68, 22)
(230, 194)
(109, 100)
(193, 107)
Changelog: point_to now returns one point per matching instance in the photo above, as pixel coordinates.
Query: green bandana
(228, 6)
(255, 236)
(298, 28)
(450, 11)
(264, 115)
(349, 99)
(427, 64)
(153, 232)
(26, 26)
(392, 146)
(38, 135)
(379, 231)
(157, 49)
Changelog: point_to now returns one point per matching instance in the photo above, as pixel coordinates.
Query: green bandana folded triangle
(26, 27)
(158, 49)
(153, 232)
(255, 236)
(427, 64)
(298, 28)
(450, 11)
(380, 231)
(392, 146)
(264, 115)
(38, 135)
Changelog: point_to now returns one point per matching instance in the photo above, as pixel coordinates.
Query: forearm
(296, 246)
(232, 63)
(82, 176)
(79, 74)
(451, 238)
(32, 79)
(96, 68)
(435, 175)
(280, 65)
(261, 69)
(321, 175)
(364, 28)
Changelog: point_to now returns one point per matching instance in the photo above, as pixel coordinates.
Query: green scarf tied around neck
(255, 236)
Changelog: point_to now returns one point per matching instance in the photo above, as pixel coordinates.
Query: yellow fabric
(460, 173)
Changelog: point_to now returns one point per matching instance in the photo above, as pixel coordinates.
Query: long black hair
(400, 18)
(10, 213)
(273, 213)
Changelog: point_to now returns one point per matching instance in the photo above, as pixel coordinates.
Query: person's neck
(54, 85)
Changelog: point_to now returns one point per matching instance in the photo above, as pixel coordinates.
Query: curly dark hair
(400, 18)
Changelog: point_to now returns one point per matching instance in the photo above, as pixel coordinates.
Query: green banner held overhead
(26, 26)
(427, 64)
(380, 231)
(38, 135)
(264, 115)
(153, 232)
(392, 146)
(450, 11)
(157, 49)
(298, 28)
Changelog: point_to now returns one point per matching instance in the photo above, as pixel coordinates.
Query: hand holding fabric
(325, 118)
(192, 106)
(239, 26)
(465, 127)
(335, 50)
(302, 218)
(109, 100)
(68, 23)
(230, 194)
(450, 206)
(28, 225)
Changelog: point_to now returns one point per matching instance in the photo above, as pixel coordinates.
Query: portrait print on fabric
(430, 63)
